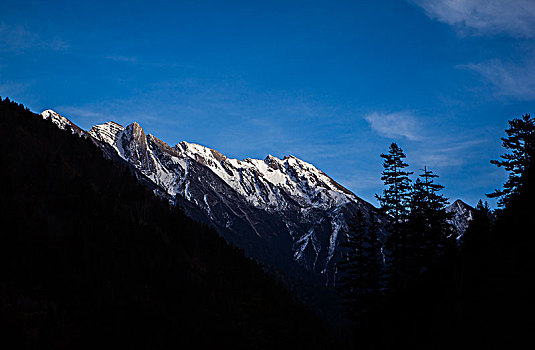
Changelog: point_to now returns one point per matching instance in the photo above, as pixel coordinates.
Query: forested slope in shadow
(89, 257)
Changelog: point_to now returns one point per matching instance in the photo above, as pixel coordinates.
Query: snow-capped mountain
(462, 215)
(278, 210)
(283, 212)
(269, 184)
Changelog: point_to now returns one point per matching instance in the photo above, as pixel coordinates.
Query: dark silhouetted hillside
(90, 258)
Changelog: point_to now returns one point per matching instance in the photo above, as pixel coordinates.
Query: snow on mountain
(106, 132)
(62, 122)
(269, 183)
(280, 211)
(308, 207)
(266, 184)
(462, 215)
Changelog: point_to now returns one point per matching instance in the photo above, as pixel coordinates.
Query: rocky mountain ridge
(280, 211)
(462, 214)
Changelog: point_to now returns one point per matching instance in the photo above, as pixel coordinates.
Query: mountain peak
(61, 122)
(461, 204)
(135, 126)
(290, 156)
(48, 112)
(106, 132)
(462, 214)
(136, 131)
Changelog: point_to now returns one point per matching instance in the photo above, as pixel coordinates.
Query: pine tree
(361, 271)
(395, 204)
(520, 141)
(428, 221)
(438, 217)
(396, 195)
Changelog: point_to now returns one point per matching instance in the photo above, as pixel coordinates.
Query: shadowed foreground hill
(88, 257)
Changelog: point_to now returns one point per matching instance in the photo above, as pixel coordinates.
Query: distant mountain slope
(281, 211)
(90, 258)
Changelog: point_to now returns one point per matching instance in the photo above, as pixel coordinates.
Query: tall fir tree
(428, 221)
(520, 141)
(395, 203)
(397, 193)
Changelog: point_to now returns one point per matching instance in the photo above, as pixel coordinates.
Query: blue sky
(331, 82)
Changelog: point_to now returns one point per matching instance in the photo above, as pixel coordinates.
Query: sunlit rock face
(281, 211)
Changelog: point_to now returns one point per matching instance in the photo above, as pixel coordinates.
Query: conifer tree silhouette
(428, 221)
(395, 203)
(396, 195)
(520, 141)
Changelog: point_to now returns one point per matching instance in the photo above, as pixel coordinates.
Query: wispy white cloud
(510, 80)
(119, 58)
(17, 38)
(444, 152)
(140, 61)
(435, 146)
(396, 124)
(515, 18)
(361, 181)
(512, 17)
